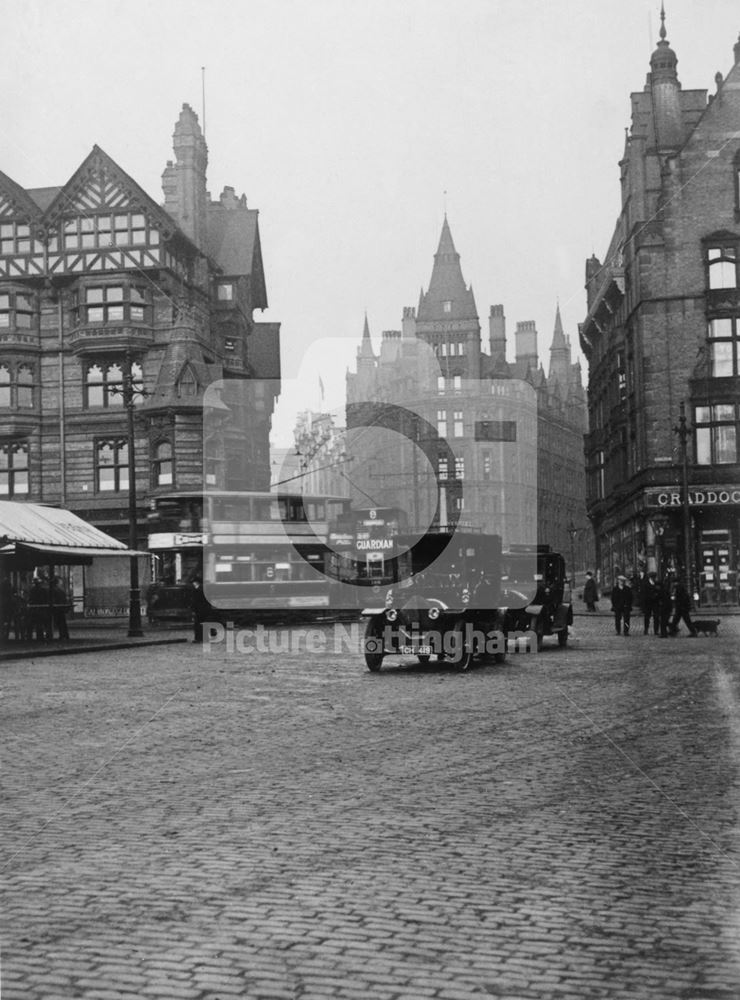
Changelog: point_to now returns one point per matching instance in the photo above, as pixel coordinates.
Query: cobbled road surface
(287, 826)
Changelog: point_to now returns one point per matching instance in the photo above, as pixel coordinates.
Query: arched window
(94, 385)
(25, 386)
(111, 466)
(104, 384)
(187, 384)
(722, 261)
(4, 386)
(163, 472)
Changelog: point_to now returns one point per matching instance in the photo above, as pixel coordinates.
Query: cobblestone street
(288, 825)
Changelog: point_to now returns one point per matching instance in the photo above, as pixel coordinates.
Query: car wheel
(464, 654)
(423, 657)
(373, 645)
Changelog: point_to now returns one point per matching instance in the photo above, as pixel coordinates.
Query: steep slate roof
(447, 285)
(234, 245)
(25, 205)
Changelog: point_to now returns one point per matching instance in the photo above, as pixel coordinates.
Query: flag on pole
(321, 388)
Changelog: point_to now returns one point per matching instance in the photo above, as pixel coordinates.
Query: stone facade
(662, 333)
(100, 284)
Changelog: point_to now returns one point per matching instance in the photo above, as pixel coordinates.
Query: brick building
(499, 445)
(96, 280)
(662, 330)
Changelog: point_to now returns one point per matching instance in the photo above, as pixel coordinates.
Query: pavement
(206, 824)
(93, 635)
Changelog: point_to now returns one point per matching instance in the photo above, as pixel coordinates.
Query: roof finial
(444, 201)
(662, 21)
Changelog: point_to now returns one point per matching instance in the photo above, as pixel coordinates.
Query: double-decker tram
(259, 554)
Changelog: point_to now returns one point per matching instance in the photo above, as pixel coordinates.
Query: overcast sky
(345, 122)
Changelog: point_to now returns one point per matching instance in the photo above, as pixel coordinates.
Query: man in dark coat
(38, 609)
(622, 606)
(60, 603)
(590, 592)
(664, 603)
(682, 609)
(649, 602)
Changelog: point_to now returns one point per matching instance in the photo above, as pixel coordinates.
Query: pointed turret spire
(559, 352)
(365, 350)
(448, 297)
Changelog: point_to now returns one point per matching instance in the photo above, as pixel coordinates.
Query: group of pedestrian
(662, 611)
(35, 614)
(655, 602)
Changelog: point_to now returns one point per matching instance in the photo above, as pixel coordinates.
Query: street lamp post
(683, 430)
(129, 393)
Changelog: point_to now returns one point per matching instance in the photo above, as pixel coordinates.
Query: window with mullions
(100, 231)
(104, 384)
(459, 468)
(724, 351)
(14, 469)
(16, 310)
(112, 304)
(443, 467)
(16, 391)
(715, 428)
(722, 266)
(162, 465)
(111, 466)
(15, 237)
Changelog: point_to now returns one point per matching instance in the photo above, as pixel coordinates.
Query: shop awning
(35, 535)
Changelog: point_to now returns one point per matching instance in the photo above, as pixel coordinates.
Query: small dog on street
(707, 626)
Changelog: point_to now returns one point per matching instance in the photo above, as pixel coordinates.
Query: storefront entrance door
(718, 579)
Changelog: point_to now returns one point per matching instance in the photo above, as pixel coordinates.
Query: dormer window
(447, 306)
(225, 291)
(187, 384)
(722, 261)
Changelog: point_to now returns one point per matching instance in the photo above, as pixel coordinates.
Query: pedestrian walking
(622, 606)
(590, 592)
(682, 609)
(649, 602)
(665, 603)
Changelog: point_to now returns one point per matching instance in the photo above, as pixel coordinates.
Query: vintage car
(539, 601)
(443, 601)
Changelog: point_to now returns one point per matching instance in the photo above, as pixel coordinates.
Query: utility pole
(129, 394)
(683, 430)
